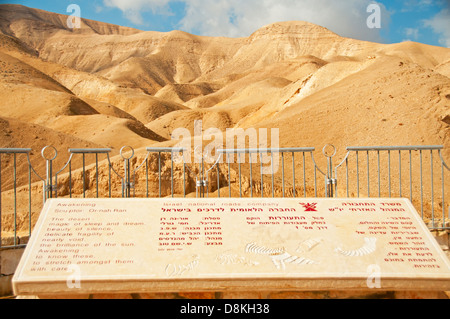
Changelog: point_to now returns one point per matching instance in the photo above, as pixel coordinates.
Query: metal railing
(397, 175)
(15, 153)
(160, 152)
(274, 157)
(395, 171)
(52, 188)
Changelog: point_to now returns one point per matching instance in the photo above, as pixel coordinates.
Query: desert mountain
(110, 86)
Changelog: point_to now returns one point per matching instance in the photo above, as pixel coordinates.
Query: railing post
(201, 181)
(48, 183)
(331, 183)
(127, 185)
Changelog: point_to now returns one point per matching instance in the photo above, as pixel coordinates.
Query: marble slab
(82, 246)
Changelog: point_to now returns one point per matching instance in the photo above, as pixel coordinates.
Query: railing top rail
(165, 149)
(15, 150)
(89, 150)
(395, 148)
(267, 150)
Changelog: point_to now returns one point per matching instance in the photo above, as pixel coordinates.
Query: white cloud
(412, 33)
(133, 8)
(237, 18)
(412, 5)
(440, 24)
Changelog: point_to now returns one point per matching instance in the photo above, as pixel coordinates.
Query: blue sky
(424, 21)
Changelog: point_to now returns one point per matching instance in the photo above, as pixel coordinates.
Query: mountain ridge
(163, 80)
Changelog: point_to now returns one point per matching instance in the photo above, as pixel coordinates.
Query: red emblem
(310, 207)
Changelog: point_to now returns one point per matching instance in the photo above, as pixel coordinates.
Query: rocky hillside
(108, 86)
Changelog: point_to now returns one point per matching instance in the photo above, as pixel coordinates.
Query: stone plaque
(84, 246)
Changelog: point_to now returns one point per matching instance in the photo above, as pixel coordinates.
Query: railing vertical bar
(15, 199)
(200, 172)
(218, 180)
(315, 180)
(273, 175)
(293, 174)
(204, 180)
(229, 175)
(207, 185)
(304, 175)
(328, 178)
(336, 190)
(262, 173)
(240, 181)
(130, 183)
(357, 172)
(171, 175)
(379, 174)
(368, 175)
(46, 182)
(50, 186)
(29, 199)
(202, 189)
(443, 191)
(133, 184)
(410, 176)
(159, 173)
(70, 179)
(400, 172)
(196, 187)
(251, 174)
(96, 170)
(389, 173)
(207, 181)
(56, 186)
(123, 183)
(127, 180)
(109, 176)
(1, 189)
(124, 180)
(84, 177)
(432, 188)
(347, 177)
(146, 178)
(421, 184)
(282, 172)
(184, 175)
